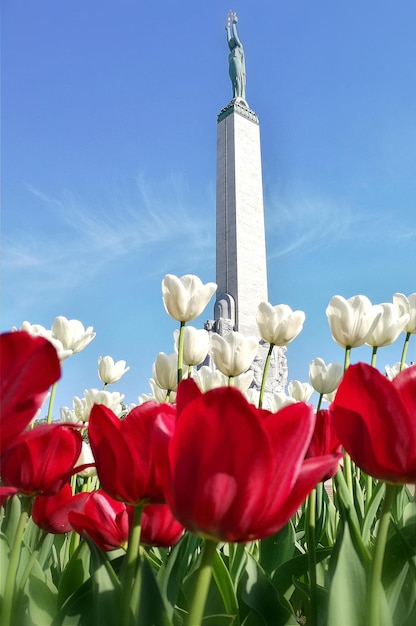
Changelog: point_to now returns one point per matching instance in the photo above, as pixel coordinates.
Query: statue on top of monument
(237, 64)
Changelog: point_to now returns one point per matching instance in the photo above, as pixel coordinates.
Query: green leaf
(224, 584)
(42, 601)
(75, 573)
(295, 568)
(347, 594)
(277, 549)
(152, 609)
(371, 515)
(106, 589)
(259, 594)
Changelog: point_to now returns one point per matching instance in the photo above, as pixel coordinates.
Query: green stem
(231, 381)
(10, 585)
(51, 401)
(374, 356)
(265, 372)
(347, 357)
(368, 490)
(404, 351)
(180, 350)
(199, 598)
(348, 473)
(318, 406)
(378, 557)
(311, 535)
(130, 566)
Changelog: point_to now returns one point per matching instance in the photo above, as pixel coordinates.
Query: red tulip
(41, 460)
(28, 367)
(159, 527)
(102, 518)
(375, 420)
(237, 473)
(129, 457)
(324, 439)
(51, 512)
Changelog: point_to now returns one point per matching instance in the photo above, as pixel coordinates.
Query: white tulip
(85, 457)
(391, 372)
(279, 325)
(111, 399)
(389, 326)
(279, 400)
(37, 330)
(72, 333)
(165, 371)
(407, 304)
(110, 371)
(207, 378)
(195, 344)
(301, 392)
(234, 353)
(81, 409)
(185, 298)
(68, 416)
(352, 321)
(157, 394)
(325, 378)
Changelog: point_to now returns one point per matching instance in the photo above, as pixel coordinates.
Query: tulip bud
(279, 325)
(165, 371)
(195, 344)
(234, 353)
(325, 378)
(389, 326)
(185, 298)
(301, 392)
(352, 321)
(407, 305)
(110, 371)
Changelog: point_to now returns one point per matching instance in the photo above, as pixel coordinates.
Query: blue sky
(108, 164)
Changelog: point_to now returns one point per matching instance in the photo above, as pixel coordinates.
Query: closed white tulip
(72, 333)
(165, 371)
(185, 298)
(157, 394)
(110, 371)
(207, 378)
(389, 326)
(352, 321)
(279, 325)
(85, 457)
(279, 400)
(300, 391)
(234, 353)
(407, 304)
(195, 344)
(325, 378)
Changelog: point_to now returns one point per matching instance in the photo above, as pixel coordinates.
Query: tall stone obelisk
(241, 264)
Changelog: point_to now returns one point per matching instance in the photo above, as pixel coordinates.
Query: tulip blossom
(407, 305)
(237, 473)
(352, 321)
(51, 512)
(41, 460)
(127, 452)
(185, 298)
(109, 371)
(279, 400)
(165, 371)
(208, 378)
(324, 439)
(325, 378)
(234, 353)
(195, 344)
(389, 326)
(375, 421)
(102, 518)
(28, 367)
(111, 399)
(279, 325)
(391, 372)
(158, 394)
(72, 333)
(37, 330)
(301, 392)
(86, 461)
(159, 527)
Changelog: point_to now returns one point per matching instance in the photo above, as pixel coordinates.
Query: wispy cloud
(146, 222)
(309, 223)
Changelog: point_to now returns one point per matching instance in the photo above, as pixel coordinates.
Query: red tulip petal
(51, 512)
(28, 367)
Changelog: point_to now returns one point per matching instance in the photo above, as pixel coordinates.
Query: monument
(241, 264)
